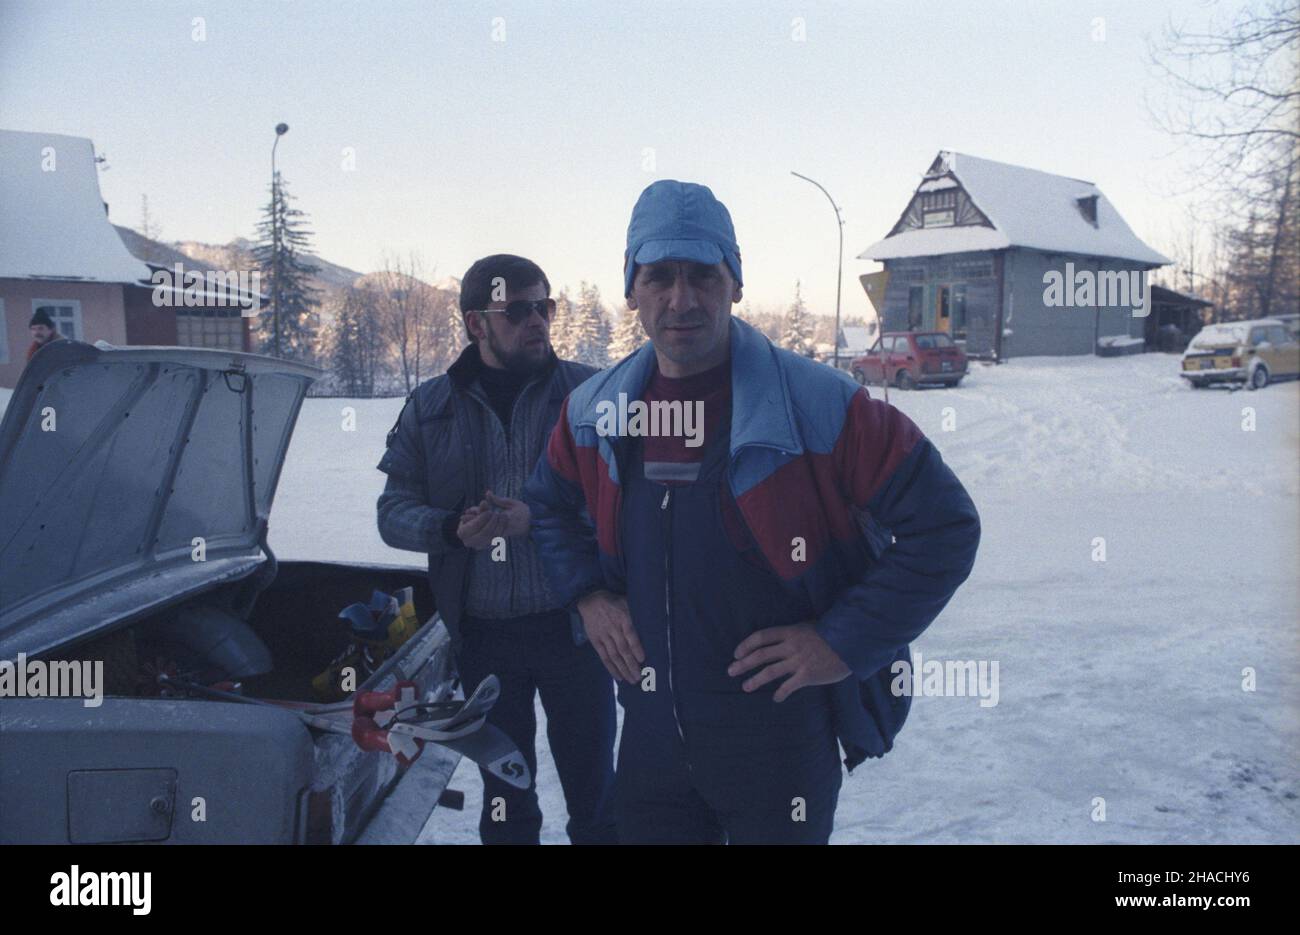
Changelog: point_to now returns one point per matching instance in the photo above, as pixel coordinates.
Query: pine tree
(562, 328)
(287, 328)
(627, 337)
(590, 333)
(798, 327)
(355, 345)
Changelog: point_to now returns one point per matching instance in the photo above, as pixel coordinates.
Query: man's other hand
(796, 651)
(608, 622)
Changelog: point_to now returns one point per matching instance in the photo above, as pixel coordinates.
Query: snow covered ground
(1118, 680)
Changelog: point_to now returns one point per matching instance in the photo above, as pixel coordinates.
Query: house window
(1088, 208)
(934, 201)
(65, 313)
(939, 209)
(974, 269)
(211, 327)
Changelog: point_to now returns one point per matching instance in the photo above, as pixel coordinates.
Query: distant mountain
(154, 251)
(379, 279)
(330, 278)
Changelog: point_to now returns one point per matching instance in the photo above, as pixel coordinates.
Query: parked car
(908, 358)
(1292, 323)
(1251, 352)
(115, 465)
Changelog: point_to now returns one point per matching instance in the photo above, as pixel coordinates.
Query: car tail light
(1236, 361)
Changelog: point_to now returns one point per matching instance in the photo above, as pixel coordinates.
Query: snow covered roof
(53, 224)
(1027, 208)
(856, 338)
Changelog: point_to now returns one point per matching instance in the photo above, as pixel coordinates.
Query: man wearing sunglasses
(456, 461)
(752, 592)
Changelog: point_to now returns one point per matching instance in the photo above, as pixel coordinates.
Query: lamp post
(839, 270)
(280, 130)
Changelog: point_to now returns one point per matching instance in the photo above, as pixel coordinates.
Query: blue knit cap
(679, 221)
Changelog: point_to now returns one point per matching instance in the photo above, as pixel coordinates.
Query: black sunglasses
(518, 311)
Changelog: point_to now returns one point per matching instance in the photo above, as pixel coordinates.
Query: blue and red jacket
(844, 496)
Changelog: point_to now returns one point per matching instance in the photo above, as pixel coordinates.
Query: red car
(906, 358)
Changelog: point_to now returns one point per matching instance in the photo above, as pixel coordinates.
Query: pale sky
(465, 145)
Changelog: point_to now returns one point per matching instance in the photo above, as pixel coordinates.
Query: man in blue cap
(750, 592)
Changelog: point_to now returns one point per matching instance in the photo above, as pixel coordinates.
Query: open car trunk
(115, 464)
(69, 773)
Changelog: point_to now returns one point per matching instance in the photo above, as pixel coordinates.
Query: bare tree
(408, 310)
(1235, 103)
(150, 231)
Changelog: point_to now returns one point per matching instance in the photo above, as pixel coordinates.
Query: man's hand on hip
(608, 622)
(796, 651)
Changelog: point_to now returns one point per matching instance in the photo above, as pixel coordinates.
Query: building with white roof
(60, 254)
(57, 250)
(980, 244)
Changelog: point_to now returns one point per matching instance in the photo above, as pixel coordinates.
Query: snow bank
(1120, 679)
(1119, 340)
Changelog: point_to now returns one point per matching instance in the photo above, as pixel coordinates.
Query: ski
(496, 753)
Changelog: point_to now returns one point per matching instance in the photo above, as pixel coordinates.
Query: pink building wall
(103, 316)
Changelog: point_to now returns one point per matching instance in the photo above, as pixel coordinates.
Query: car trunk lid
(133, 478)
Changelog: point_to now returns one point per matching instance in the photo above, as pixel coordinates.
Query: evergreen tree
(355, 344)
(287, 327)
(562, 328)
(627, 337)
(798, 327)
(590, 332)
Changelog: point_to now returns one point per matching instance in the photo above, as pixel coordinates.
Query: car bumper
(1232, 375)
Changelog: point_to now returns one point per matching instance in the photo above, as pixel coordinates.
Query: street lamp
(280, 130)
(839, 270)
